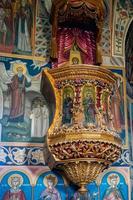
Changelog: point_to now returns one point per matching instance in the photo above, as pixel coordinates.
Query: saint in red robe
(6, 26)
(17, 89)
(14, 195)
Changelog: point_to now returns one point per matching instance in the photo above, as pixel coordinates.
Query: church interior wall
(26, 115)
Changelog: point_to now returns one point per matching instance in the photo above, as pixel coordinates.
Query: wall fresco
(106, 32)
(17, 26)
(130, 127)
(43, 29)
(22, 155)
(22, 132)
(32, 183)
(119, 72)
(40, 183)
(122, 19)
(24, 111)
(114, 184)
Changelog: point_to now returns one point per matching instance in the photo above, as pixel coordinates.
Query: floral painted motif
(21, 156)
(3, 155)
(122, 18)
(38, 155)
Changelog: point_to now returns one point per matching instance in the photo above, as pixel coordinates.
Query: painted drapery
(76, 23)
(85, 41)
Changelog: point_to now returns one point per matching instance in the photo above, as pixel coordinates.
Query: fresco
(131, 177)
(49, 186)
(122, 19)
(15, 184)
(38, 183)
(130, 127)
(34, 183)
(43, 29)
(24, 28)
(15, 187)
(22, 154)
(122, 115)
(114, 184)
(17, 26)
(105, 42)
(24, 111)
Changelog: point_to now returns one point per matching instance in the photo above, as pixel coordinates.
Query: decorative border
(30, 156)
(121, 22)
(124, 160)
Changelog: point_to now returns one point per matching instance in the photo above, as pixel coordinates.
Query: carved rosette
(84, 136)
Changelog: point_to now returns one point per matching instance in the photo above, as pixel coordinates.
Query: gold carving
(83, 144)
(82, 172)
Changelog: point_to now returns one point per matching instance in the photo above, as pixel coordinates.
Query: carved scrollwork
(84, 138)
(85, 149)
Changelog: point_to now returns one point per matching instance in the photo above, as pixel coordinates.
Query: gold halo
(50, 176)
(111, 176)
(17, 65)
(12, 177)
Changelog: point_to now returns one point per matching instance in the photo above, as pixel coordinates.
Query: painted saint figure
(105, 105)
(17, 90)
(23, 28)
(15, 193)
(100, 119)
(75, 61)
(113, 193)
(67, 109)
(115, 109)
(50, 193)
(89, 109)
(39, 119)
(6, 26)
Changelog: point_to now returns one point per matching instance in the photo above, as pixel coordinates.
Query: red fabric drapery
(85, 40)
